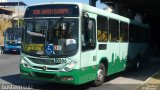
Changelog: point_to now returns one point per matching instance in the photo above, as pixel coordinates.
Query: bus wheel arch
(101, 73)
(104, 61)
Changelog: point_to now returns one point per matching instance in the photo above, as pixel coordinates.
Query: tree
(4, 24)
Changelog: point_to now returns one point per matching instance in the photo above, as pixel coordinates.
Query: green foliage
(4, 24)
(21, 23)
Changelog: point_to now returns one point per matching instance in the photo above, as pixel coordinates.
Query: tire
(138, 63)
(100, 75)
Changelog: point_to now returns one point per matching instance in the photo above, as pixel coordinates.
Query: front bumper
(12, 48)
(75, 77)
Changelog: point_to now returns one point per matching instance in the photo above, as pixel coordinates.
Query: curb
(152, 83)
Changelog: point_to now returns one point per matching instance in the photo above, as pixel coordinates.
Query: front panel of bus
(50, 43)
(12, 39)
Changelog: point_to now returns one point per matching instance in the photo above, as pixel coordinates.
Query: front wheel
(100, 75)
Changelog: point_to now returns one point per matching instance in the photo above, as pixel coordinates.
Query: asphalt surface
(127, 80)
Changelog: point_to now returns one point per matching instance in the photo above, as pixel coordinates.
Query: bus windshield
(13, 36)
(54, 36)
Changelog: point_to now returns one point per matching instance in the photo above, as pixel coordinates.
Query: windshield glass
(13, 36)
(56, 36)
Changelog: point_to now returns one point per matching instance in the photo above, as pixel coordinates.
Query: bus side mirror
(85, 15)
(90, 24)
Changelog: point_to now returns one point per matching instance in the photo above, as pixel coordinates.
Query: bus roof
(112, 15)
(105, 13)
(56, 3)
(98, 11)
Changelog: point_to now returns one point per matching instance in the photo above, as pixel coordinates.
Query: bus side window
(88, 34)
(124, 32)
(113, 30)
(102, 29)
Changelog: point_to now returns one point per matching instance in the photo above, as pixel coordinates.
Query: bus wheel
(100, 75)
(138, 62)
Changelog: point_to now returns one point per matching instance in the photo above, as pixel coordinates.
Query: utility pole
(18, 13)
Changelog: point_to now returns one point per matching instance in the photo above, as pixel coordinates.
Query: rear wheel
(138, 62)
(100, 75)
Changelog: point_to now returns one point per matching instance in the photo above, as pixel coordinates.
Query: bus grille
(43, 61)
(38, 67)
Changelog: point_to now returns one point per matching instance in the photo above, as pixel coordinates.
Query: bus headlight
(24, 63)
(69, 67)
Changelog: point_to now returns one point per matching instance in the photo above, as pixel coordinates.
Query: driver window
(88, 34)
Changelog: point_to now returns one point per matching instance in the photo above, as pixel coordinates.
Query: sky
(31, 2)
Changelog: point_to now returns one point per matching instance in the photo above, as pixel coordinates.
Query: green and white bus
(74, 43)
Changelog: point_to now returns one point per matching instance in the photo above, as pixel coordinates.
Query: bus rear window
(52, 11)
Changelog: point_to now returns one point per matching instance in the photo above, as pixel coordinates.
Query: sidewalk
(152, 83)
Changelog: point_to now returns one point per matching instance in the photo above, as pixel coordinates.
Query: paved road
(127, 80)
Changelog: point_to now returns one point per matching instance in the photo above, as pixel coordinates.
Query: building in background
(9, 15)
(11, 10)
(3, 0)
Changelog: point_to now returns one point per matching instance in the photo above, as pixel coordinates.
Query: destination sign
(52, 11)
(34, 47)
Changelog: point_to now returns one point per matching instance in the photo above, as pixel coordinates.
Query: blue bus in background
(12, 39)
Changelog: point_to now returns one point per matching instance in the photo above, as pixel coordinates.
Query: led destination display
(52, 11)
